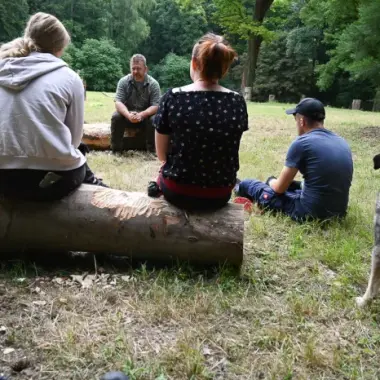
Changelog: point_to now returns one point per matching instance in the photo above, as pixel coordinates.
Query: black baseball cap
(310, 107)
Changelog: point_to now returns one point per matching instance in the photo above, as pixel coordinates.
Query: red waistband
(194, 190)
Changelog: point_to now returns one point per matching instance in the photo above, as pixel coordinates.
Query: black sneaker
(270, 179)
(376, 162)
(295, 185)
(99, 182)
(153, 189)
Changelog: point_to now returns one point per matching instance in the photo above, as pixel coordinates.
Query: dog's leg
(374, 279)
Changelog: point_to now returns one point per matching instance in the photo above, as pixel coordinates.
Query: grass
(289, 314)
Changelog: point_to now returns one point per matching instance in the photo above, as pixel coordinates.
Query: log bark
(101, 220)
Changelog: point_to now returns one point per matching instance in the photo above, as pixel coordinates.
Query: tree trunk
(100, 220)
(376, 101)
(72, 14)
(254, 44)
(254, 41)
(356, 104)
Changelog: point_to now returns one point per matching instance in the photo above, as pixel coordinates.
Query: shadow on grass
(32, 264)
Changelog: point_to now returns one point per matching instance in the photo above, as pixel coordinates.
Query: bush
(99, 63)
(69, 55)
(172, 71)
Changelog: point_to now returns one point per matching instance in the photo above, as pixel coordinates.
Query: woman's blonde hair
(43, 33)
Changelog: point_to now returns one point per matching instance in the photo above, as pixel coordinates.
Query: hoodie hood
(17, 73)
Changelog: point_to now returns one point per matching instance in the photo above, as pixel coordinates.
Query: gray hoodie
(41, 114)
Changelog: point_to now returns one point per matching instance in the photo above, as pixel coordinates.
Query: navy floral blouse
(205, 129)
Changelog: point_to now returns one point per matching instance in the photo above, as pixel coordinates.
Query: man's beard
(139, 78)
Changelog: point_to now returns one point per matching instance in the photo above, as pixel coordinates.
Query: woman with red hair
(198, 131)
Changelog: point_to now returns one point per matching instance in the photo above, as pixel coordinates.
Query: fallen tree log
(101, 220)
(98, 136)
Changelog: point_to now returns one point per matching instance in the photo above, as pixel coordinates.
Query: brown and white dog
(374, 278)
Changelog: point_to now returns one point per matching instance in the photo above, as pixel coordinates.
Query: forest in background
(289, 48)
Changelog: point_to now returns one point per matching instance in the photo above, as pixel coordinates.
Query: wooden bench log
(101, 220)
(97, 136)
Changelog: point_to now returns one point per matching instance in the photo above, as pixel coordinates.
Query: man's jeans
(287, 203)
(144, 139)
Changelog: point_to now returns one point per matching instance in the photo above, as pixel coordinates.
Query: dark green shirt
(138, 96)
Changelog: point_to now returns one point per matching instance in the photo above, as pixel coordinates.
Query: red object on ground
(248, 205)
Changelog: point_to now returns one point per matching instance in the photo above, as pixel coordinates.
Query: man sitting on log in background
(136, 101)
(325, 161)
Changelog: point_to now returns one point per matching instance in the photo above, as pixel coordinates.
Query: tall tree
(83, 18)
(286, 63)
(351, 35)
(244, 18)
(127, 25)
(286, 74)
(173, 30)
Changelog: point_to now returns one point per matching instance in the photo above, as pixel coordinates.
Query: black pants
(193, 203)
(144, 139)
(44, 185)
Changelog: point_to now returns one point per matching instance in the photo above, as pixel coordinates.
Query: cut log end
(98, 136)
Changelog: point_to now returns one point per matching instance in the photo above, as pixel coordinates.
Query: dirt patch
(371, 134)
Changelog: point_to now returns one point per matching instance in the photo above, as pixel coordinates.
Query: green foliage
(127, 25)
(99, 63)
(351, 36)
(13, 15)
(173, 29)
(331, 43)
(288, 75)
(84, 19)
(358, 47)
(172, 71)
(122, 21)
(70, 54)
(235, 16)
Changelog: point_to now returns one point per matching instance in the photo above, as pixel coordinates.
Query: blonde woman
(42, 110)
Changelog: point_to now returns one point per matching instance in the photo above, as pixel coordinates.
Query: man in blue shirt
(325, 161)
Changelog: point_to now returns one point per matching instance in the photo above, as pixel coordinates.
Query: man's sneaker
(270, 179)
(236, 187)
(295, 185)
